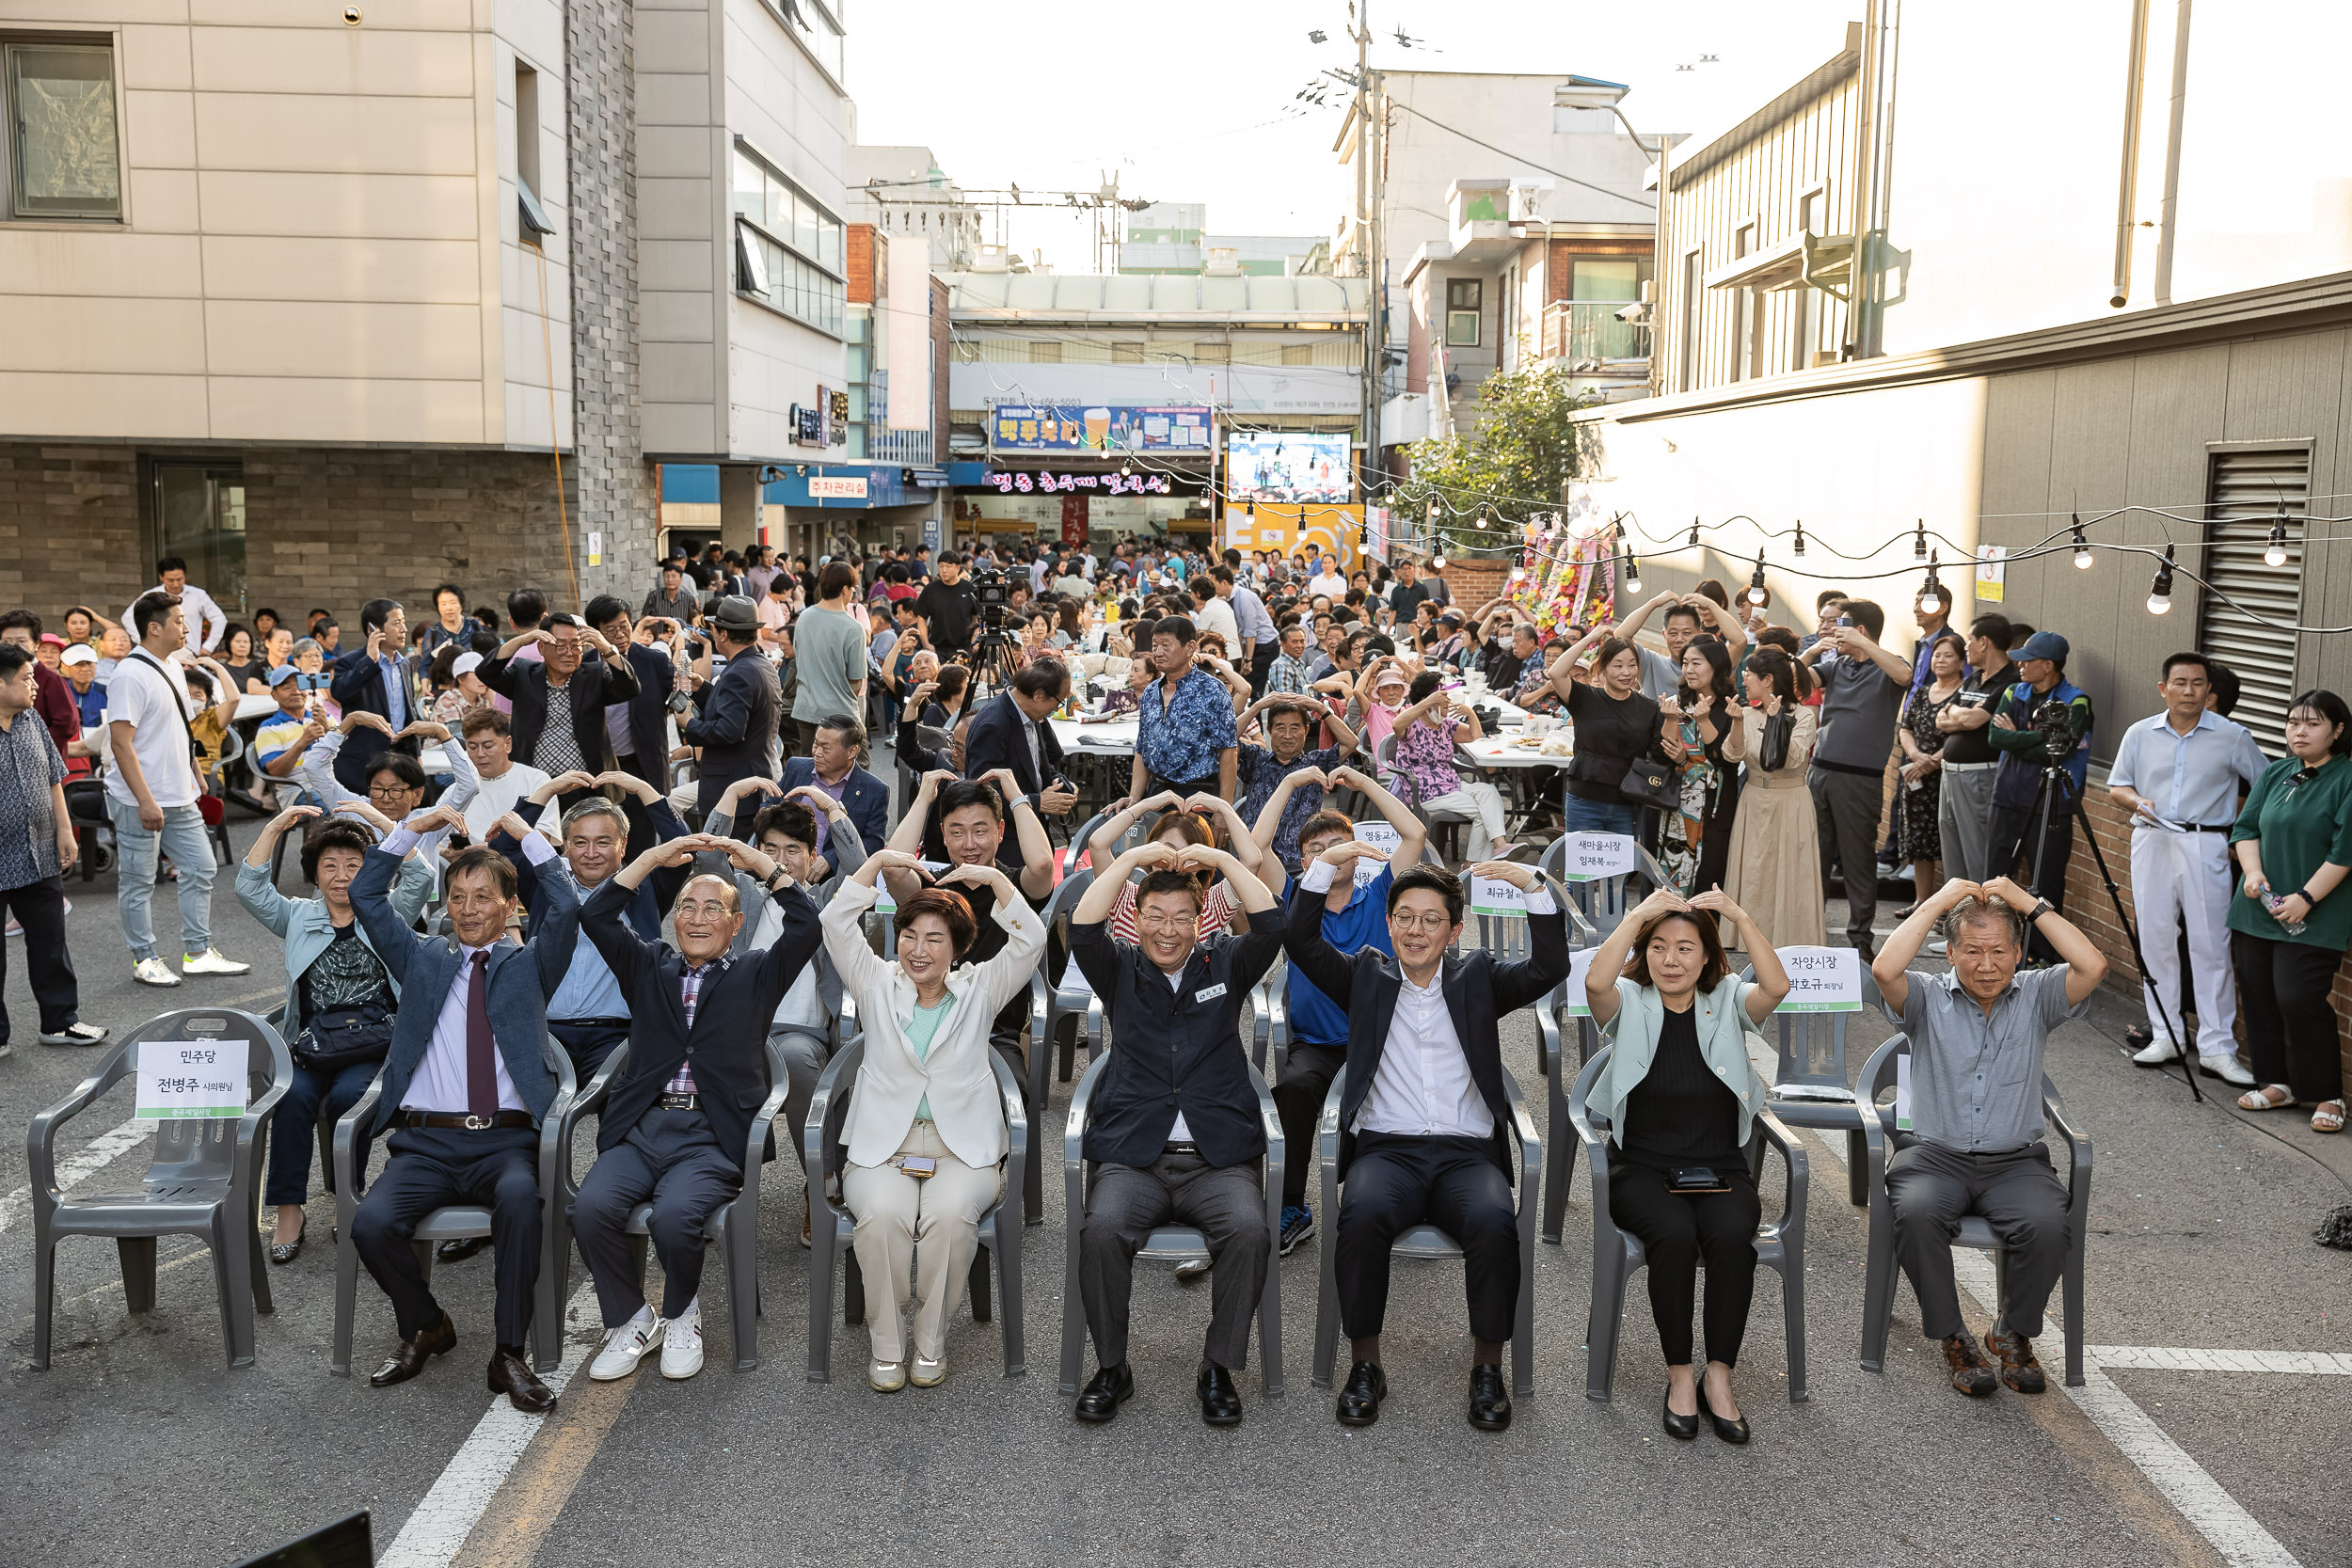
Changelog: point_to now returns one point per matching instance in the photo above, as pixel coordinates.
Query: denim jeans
(182, 839)
(1581, 815)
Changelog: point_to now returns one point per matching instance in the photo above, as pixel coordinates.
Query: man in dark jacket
(375, 677)
(734, 723)
(640, 727)
(1011, 732)
(678, 1119)
(1423, 1113)
(1175, 1125)
(560, 699)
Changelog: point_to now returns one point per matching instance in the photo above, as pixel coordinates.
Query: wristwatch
(2039, 909)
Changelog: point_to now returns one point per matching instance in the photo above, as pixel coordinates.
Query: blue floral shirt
(1259, 774)
(1179, 740)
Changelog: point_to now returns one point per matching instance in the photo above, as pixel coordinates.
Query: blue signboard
(1044, 427)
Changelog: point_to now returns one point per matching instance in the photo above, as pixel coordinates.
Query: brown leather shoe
(510, 1375)
(409, 1359)
(2019, 1368)
(1971, 1373)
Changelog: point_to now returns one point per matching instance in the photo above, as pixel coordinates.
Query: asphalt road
(138, 1446)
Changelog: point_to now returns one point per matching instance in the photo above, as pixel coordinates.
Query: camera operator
(2041, 723)
(947, 606)
(1964, 814)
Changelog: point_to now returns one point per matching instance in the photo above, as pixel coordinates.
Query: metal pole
(2128, 187)
(2167, 214)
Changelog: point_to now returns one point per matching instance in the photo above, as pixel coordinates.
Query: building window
(1464, 303)
(2248, 488)
(789, 250)
(1043, 353)
(65, 153)
(197, 511)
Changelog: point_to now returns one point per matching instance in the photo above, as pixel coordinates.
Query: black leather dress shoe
(409, 1359)
(1359, 1401)
(1490, 1398)
(1221, 1401)
(1682, 1429)
(1730, 1431)
(510, 1375)
(464, 1247)
(1109, 1388)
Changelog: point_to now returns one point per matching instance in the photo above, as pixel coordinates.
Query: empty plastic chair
(1427, 1242)
(1167, 1243)
(833, 1228)
(1810, 1087)
(202, 1179)
(1779, 1243)
(1883, 1140)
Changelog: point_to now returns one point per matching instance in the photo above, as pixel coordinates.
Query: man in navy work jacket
(1422, 1115)
(678, 1115)
(468, 1079)
(830, 766)
(1174, 1129)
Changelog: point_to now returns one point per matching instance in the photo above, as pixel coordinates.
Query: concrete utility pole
(1371, 128)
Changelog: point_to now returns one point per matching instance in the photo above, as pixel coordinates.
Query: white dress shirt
(2191, 778)
(440, 1081)
(1180, 1134)
(205, 619)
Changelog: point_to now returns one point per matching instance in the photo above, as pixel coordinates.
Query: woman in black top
(1698, 716)
(1615, 725)
(1680, 1096)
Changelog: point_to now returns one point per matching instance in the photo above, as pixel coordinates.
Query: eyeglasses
(390, 792)
(1165, 922)
(1422, 921)
(714, 910)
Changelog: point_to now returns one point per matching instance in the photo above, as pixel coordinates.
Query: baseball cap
(81, 653)
(465, 663)
(278, 676)
(2042, 644)
(52, 638)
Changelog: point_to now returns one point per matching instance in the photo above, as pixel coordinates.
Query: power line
(1520, 157)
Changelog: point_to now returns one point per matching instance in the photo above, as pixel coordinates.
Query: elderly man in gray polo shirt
(1977, 1040)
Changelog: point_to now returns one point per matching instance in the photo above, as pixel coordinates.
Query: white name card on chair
(1902, 1093)
(1822, 979)
(1382, 836)
(1492, 895)
(1590, 857)
(180, 1080)
(1580, 965)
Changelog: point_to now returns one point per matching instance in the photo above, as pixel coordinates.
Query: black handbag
(339, 1037)
(1771, 750)
(1650, 783)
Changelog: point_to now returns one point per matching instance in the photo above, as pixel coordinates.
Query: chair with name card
(1810, 1087)
(203, 1175)
(1617, 1256)
(1604, 896)
(1167, 1243)
(1885, 1093)
(833, 1228)
(454, 1222)
(1427, 1242)
(732, 1227)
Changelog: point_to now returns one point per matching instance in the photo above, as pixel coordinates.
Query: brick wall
(2088, 906)
(609, 485)
(70, 529)
(1473, 582)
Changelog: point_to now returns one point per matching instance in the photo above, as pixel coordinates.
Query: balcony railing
(910, 448)
(1588, 329)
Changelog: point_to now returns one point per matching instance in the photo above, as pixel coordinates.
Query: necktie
(482, 1077)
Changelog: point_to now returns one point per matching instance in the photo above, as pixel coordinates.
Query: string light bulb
(2160, 592)
(2082, 545)
(1800, 547)
(1757, 593)
(1919, 542)
(1931, 591)
(1437, 564)
(1249, 508)
(2275, 553)
(1126, 470)
(1693, 543)
(1632, 574)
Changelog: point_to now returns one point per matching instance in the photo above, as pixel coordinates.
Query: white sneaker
(14, 928)
(2227, 1069)
(927, 1372)
(211, 962)
(625, 1346)
(886, 1377)
(1938, 947)
(76, 1033)
(682, 1345)
(2158, 1053)
(153, 972)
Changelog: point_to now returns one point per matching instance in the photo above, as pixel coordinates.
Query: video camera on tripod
(993, 594)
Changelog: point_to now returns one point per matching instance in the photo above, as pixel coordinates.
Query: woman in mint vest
(1682, 1097)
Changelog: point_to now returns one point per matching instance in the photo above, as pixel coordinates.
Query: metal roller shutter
(2248, 488)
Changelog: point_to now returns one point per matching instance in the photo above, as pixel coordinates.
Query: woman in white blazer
(926, 1129)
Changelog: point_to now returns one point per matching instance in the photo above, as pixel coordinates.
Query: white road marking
(99, 1152)
(436, 1531)
(2165, 1360)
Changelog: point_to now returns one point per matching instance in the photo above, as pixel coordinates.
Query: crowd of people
(519, 775)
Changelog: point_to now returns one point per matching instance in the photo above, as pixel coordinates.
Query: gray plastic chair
(1445, 825)
(733, 1228)
(1167, 1243)
(1429, 1243)
(1552, 1022)
(833, 1228)
(1605, 901)
(455, 1222)
(1882, 1141)
(1051, 1002)
(1810, 1087)
(202, 1179)
(1779, 1243)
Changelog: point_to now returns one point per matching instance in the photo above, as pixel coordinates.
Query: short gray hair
(1974, 910)
(596, 805)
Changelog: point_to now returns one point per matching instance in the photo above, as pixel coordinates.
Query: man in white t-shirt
(506, 784)
(151, 795)
(1327, 579)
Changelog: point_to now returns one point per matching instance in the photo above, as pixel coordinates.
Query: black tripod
(993, 654)
(2059, 804)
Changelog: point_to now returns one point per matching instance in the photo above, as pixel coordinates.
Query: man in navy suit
(1011, 733)
(468, 1079)
(374, 678)
(639, 727)
(831, 766)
